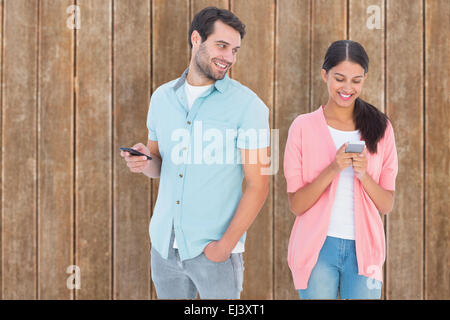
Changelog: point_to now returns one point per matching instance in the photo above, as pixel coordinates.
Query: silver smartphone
(355, 147)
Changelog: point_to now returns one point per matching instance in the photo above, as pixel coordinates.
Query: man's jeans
(175, 279)
(336, 273)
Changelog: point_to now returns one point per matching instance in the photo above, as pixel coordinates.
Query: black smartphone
(135, 152)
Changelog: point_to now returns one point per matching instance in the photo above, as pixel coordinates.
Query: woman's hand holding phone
(344, 159)
(360, 164)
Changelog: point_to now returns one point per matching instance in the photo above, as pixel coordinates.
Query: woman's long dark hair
(370, 121)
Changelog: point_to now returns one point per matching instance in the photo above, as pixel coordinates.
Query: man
(206, 132)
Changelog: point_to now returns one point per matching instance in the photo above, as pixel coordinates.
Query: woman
(337, 243)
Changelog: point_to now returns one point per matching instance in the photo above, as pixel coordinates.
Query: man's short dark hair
(204, 20)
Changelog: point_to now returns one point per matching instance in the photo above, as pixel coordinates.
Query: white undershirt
(342, 220)
(192, 93)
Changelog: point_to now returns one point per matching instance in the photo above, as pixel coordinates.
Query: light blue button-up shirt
(201, 172)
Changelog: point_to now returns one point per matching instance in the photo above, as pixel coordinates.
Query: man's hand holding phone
(137, 163)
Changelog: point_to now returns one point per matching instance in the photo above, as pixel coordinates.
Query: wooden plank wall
(437, 166)
(93, 206)
(403, 76)
(69, 98)
(131, 193)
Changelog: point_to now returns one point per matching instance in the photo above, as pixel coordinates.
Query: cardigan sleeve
(293, 158)
(389, 167)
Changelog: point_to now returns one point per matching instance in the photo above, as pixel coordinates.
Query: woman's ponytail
(370, 122)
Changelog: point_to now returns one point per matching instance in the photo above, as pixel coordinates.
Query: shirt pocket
(219, 140)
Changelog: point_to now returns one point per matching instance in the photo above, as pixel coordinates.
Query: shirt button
(188, 122)
(178, 201)
(181, 175)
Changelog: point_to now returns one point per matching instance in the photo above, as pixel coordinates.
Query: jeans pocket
(237, 262)
(214, 262)
(242, 261)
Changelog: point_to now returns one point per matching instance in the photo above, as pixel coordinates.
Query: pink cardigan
(309, 150)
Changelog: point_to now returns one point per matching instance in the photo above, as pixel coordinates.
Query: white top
(193, 92)
(342, 220)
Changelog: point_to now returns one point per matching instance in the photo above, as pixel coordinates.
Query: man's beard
(203, 66)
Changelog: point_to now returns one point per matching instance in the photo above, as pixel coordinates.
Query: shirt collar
(220, 85)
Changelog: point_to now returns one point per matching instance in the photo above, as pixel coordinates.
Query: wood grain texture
(404, 76)
(19, 168)
(197, 5)
(170, 54)
(93, 150)
(131, 190)
(292, 87)
(56, 150)
(437, 89)
(254, 69)
(325, 28)
(1, 145)
(362, 13)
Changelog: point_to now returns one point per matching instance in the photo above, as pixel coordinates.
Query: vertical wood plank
(325, 28)
(1, 147)
(373, 42)
(404, 76)
(56, 144)
(197, 5)
(93, 149)
(131, 191)
(19, 168)
(292, 70)
(254, 69)
(170, 51)
(437, 88)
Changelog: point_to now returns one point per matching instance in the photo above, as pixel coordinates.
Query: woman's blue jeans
(336, 274)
